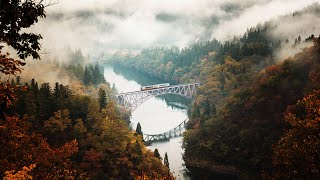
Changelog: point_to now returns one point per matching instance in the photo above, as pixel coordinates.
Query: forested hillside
(250, 87)
(50, 131)
(192, 63)
(250, 119)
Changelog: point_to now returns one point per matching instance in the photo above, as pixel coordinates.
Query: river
(156, 115)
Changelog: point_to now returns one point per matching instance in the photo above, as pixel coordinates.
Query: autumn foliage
(20, 148)
(57, 134)
(296, 155)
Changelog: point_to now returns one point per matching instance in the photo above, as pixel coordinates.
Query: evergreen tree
(63, 100)
(34, 87)
(139, 130)
(166, 161)
(299, 39)
(157, 154)
(86, 76)
(137, 154)
(102, 98)
(56, 90)
(45, 101)
(96, 75)
(113, 88)
(13, 82)
(18, 78)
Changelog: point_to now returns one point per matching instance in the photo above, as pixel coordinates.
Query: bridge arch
(132, 100)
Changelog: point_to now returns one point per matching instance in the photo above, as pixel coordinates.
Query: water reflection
(171, 100)
(157, 115)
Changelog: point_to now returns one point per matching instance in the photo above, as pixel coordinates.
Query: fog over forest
(160, 89)
(94, 25)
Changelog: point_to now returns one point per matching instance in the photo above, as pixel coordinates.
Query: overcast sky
(101, 25)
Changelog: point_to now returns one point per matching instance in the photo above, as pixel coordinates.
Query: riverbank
(156, 115)
(212, 168)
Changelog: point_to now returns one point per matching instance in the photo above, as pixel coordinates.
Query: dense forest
(255, 112)
(49, 131)
(192, 63)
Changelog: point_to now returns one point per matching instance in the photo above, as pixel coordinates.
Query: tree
(87, 78)
(79, 128)
(296, 155)
(96, 74)
(59, 123)
(139, 130)
(45, 104)
(22, 150)
(14, 17)
(19, 148)
(8, 66)
(299, 39)
(157, 154)
(166, 160)
(92, 163)
(102, 98)
(56, 90)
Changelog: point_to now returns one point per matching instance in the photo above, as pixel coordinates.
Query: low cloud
(98, 26)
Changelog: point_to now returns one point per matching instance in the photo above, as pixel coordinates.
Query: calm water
(156, 115)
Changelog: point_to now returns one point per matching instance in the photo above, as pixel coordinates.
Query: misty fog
(101, 26)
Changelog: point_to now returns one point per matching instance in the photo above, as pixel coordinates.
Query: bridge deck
(131, 100)
(172, 86)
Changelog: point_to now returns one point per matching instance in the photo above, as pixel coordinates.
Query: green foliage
(102, 98)
(86, 77)
(92, 75)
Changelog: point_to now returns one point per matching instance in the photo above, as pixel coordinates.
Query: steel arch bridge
(132, 100)
(175, 132)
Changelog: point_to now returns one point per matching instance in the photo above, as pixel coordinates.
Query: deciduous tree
(296, 155)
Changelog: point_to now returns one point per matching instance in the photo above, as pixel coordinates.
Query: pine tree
(45, 101)
(56, 90)
(157, 154)
(102, 98)
(166, 161)
(18, 78)
(299, 39)
(113, 88)
(137, 154)
(139, 130)
(96, 75)
(13, 82)
(34, 87)
(87, 76)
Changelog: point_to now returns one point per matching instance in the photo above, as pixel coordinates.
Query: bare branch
(48, 3)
